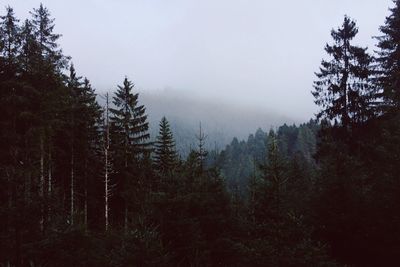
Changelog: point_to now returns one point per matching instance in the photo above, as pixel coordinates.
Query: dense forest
(83, 185)
(240, 161)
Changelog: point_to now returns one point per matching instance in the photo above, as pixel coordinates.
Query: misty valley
(127, 177)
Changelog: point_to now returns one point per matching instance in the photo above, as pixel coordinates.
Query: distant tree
(342, 89)
(165, 156)
(274, 178)
(201, 152)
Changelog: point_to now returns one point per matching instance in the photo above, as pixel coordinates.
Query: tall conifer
(342, 89)
(129, 141)
(389, 57)
(165, 157)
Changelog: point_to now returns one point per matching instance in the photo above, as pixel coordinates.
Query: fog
(220, 122)
(259, 54)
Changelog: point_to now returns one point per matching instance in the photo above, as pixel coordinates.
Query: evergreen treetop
(129, 123)
(342, 89)
(165, 157)
(389, 57)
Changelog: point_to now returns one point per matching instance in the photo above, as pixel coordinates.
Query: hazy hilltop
(221, 121)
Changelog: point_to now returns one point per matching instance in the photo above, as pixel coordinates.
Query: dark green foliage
(308, 195)
(342, 89)
(9, 44)
(240, 160)
(165, 156)
(129, 149)
(353, 200)
(129, 125)
(388, 57)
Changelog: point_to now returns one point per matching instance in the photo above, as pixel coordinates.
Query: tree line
(82, 185)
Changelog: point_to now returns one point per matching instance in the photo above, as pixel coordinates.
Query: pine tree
(107, 168)
(389, 57)
(165, 157)
(129, 135)
(274, 177)
(84, 116)
(50, 55)
(9, 44)
(73, 85)
(89, 141)
(129, 124)
(201, 152)
(342, 89)
(28, 56)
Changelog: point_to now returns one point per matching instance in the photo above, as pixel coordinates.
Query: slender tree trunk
(72, 186)
(126, 171)
(41, 188)
(126, 205)
(50, 185)
(17, 246)
(106, 193)
(85, 208)
(28, 180)
(126, 218)
(41, 181)
(106, 170)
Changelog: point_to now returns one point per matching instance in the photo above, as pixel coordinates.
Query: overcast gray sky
(258, 52)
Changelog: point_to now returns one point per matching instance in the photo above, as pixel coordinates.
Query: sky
(258, 53)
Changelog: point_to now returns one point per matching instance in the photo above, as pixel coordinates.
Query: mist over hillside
(220, 120)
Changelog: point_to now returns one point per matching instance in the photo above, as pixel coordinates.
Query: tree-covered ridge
(240, 161)
(82, 185)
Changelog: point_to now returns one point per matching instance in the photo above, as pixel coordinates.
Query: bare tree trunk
(107, 164)
(17, 246)
(85, 208)
(126, 218)
(126, 169)
(41, 181)
(106, 193)
(72, 191)
(72, 186)
(50, 185)
(125, 200)
(41, 188)
(28, 180)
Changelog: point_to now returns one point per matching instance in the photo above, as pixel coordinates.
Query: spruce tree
(165, 157)
(342, 89)
(83, 120)
(129, 143)
(129, 124)
(73, 84)
(201, 153)
(389, 57)
(50, 55)
(274, 179)
(9, 44)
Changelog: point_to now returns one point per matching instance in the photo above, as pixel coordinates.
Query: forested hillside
(83, 183)
(185, 112)
(241, 160)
